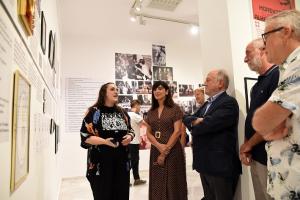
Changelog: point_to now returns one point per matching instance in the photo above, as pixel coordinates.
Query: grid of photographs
(134, 77)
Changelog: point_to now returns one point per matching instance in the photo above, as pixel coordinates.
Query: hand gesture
(161, 160)
(163, 149)
(246, 158)
(126, 140)
(108, 142)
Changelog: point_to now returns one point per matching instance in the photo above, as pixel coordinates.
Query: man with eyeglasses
(278, 120)
(252, 152)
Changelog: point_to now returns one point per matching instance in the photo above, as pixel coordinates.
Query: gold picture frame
(20, 131)
(26, 13)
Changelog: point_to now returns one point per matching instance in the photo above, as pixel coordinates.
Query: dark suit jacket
(215, 139)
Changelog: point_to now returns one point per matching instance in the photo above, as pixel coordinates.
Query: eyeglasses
(264, 35)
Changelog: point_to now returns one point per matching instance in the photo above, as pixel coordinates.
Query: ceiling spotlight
(194, 30)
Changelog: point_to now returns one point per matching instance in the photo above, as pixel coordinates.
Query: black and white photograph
(145, 99)
(186, 106)
(144, 87)
(162, 73)
(159, 55)
(133, 66)
(125, 100)
(186, 90)
(127, 87)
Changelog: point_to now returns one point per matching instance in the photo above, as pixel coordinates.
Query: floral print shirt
(284, 154)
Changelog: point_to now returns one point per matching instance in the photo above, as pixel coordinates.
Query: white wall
(43, 180)
(95, 58)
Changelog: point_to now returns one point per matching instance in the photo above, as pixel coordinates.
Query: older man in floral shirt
(278, 120)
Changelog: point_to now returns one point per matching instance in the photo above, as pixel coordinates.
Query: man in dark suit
(214, 132)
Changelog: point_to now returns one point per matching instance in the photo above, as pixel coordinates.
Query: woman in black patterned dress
(104, 132)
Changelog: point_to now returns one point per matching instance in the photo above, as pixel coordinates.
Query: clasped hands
(108, 141)
(245, 155)
(197, 121)
(164, 151)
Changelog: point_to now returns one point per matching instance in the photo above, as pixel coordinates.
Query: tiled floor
(79, 189)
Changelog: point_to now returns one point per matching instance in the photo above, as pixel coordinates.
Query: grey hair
(287, 17)
(222, 75)
(258, 43)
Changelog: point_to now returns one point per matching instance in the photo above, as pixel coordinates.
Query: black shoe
(139, 182)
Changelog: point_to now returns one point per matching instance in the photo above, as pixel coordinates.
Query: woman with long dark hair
(106, 132)
(167, 178)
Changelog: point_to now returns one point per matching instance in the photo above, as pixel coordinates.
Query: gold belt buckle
(157, 134)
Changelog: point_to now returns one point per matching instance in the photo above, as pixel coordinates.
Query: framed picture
(26, 13)
(52, 126)
(20, 131)
(249, 83)
(43, 33)
(56, 138)
(51, 52)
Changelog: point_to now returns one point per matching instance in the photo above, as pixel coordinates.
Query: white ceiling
(110, 18)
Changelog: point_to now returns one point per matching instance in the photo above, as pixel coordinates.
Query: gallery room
(56, 55)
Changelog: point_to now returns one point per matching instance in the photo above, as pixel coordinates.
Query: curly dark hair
(168, 101)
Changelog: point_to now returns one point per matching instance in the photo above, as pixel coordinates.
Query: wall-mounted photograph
(127, 87)
(186, 106)
(125, 100)
(51, 51)
(162, 73)
(186, 90)
(145, 99)
(159, 55)
(144, 87)
(43, 33)
(20, 131)
(26, 13)
(133, 66)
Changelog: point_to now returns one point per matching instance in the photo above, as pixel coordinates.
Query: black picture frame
(56, 138)
(52, 126)
(248, 83)
(51, 51)
(43, 33)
